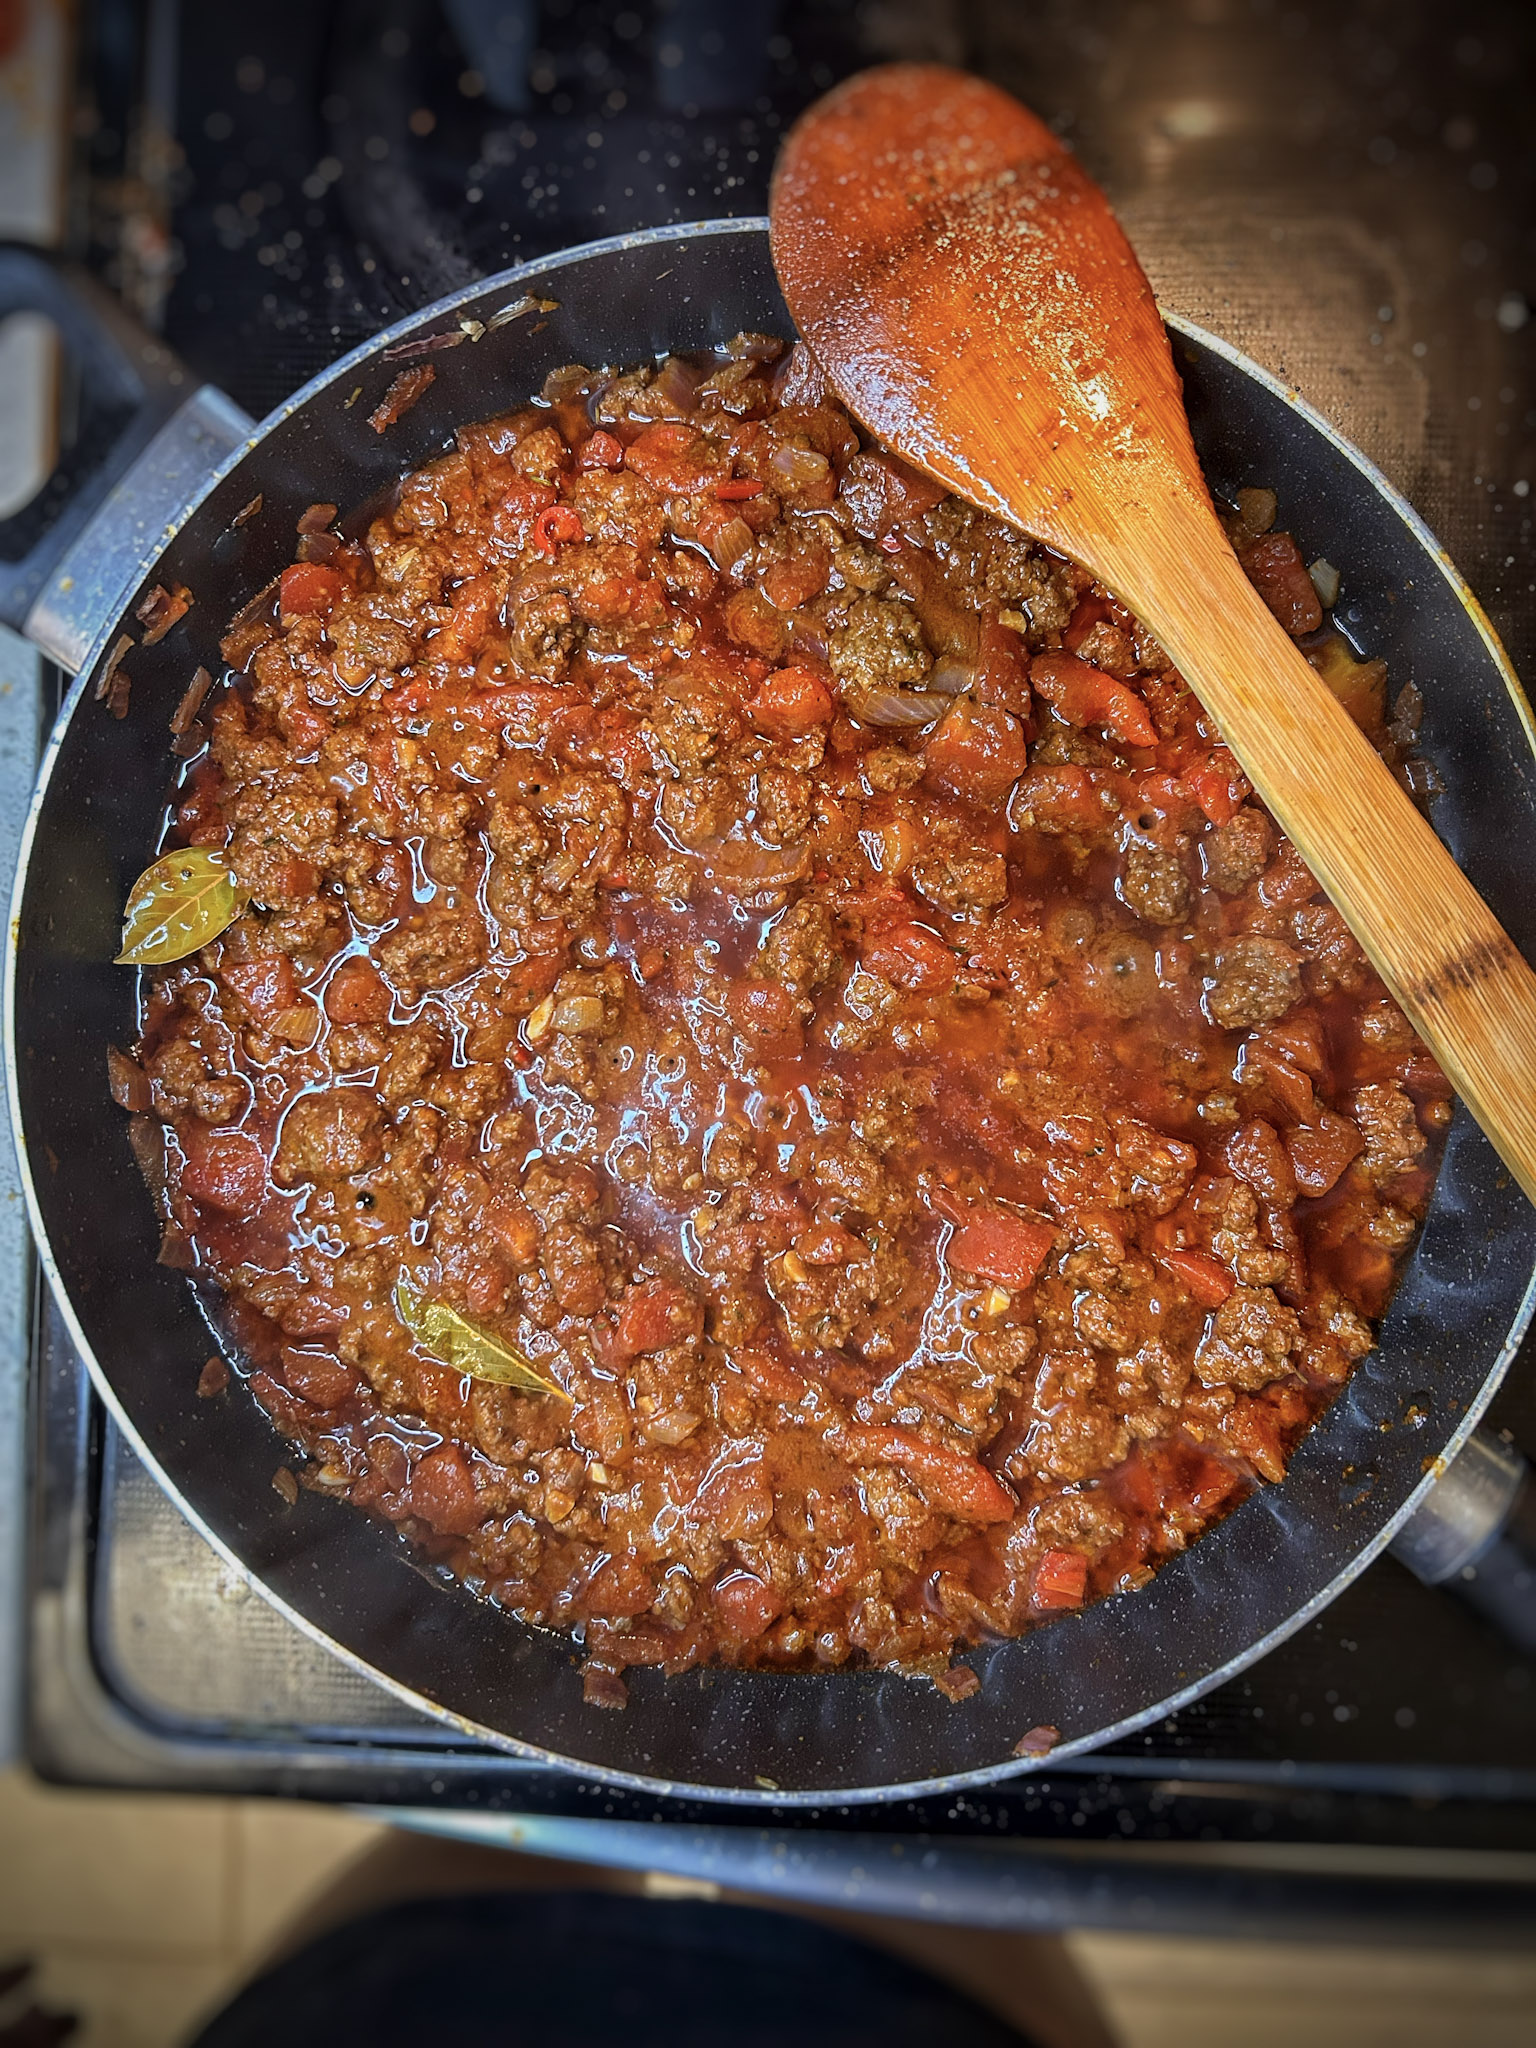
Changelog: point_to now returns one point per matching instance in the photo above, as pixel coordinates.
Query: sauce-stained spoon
(973, 300)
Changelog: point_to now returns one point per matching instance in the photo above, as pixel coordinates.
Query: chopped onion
(799, 468)
(730, 542)
(1325, 581)
(954, 678)
(909, 708)
(676, 386)
(1257, 509)
(576, 1014)
(755, 348)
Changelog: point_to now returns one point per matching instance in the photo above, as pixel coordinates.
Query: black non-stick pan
(1461, 1309)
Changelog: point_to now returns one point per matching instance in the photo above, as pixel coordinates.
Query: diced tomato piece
(994, 1244)
(317, 1377)
(737, 488)
(225, 1170)
(1064, 799)
(1220, 788)
(671, 455)
(356, 994)
(1319, 1151)
(765, 1009)
(654, 1314)
(620, 1589)
(789, 703)
(977, 752)
(1087, 613)
(1255, 1154)
(600, 451)
(296, 879)
(747, 1604)
(1255, 1431)
(442, 1493)
(266, 987)
(1002, 667)
(513, 520)
(1084, 695)
(309, 588)
(1286, 1091)
(771, 1376)
(1207, 1279)
(1279, 575)
(912, 957)
(476, 604)
(949, 1480)
(557, 526)
(1061, 1579)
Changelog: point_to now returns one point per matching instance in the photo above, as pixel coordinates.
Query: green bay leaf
(468, 1347)
(177, 905)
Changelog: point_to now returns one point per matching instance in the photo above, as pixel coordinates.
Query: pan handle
(1475, 1535)
(145, 435)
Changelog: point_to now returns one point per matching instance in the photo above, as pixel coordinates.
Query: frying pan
(1463, 1305)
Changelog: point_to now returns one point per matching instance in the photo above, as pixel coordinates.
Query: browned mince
(791, 957)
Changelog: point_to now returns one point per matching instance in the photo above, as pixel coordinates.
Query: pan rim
(749, 1798)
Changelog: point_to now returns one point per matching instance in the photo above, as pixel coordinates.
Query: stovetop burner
(1346, 200)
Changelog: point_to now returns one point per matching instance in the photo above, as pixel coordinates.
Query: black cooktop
(271, 187)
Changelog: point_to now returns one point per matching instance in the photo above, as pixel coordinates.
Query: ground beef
(880, 646)
(1238, 852)
(1153, 883)
(1256, 981)
(942, 1165)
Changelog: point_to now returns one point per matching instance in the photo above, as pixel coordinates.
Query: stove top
(1349, 204)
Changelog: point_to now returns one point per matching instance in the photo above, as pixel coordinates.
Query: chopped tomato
(949, 1480)
(442, 1493)
(600, 451)
(1064, 799)
(674, 456)
(555, 527)
(1320, 1150)
(736, 488)
(620, 1589)
(317, 1377)
(266, 987)
(1220, 788)
(976, 751)
(654, 1314)
(747, 1604)
(1002, 667)
(771, 1376)
(912, 957)
(1279, 575)
(1084, 695)
(1087, 613)
(357, 994)
(790, 702)
(1061, 1579)
(308, 588)
(995, 1244)
(1255, 1154)
(1207, 1279)
(224, 1170)
(765, 1009)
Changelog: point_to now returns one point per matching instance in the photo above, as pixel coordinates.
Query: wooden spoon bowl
(975, 303)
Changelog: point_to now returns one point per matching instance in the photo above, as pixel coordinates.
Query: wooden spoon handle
(1435, 943)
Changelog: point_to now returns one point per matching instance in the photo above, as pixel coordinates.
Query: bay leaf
(468, 1347)
(178, 904)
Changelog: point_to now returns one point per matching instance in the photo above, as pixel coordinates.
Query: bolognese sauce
(787, 959)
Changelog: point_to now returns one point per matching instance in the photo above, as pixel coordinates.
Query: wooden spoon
(974, 302)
